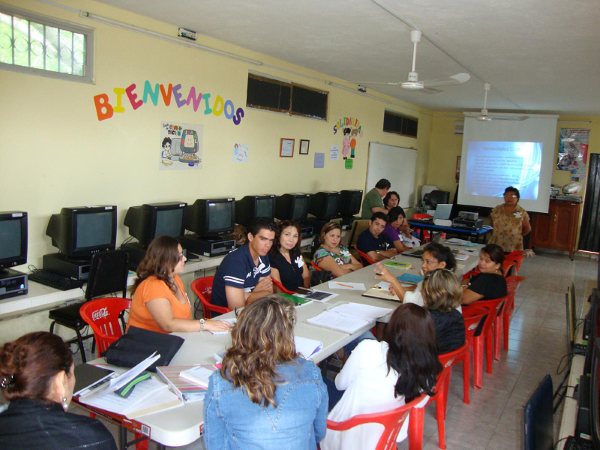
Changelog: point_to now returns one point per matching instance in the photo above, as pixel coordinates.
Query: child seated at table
(442, 295)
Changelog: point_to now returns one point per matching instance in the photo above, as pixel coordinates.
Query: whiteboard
(397, 164)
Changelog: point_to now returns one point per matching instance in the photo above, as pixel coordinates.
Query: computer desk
(183, 425)
(479, 234)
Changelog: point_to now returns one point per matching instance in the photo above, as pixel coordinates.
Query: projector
(468, 215)
(459, 222)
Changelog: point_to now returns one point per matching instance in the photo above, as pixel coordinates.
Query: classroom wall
(55, 152)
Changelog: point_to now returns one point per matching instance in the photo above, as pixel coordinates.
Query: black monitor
(431, 200)
(595, 395)
(252, 206)
(13, 238)
(210, 217)
(81, 231)
(350, 202)
(292, 207)
(591, 328)
(147, 221)
(324, 205)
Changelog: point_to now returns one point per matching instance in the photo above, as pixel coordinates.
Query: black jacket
(35, 424)
(449, 330)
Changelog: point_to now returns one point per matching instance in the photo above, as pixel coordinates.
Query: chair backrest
(391, 420)
(102, 315)
(365, 258)
(516, 257)
(538, 432)
(492, 308)
(281, 287)
(358, 226)
(509, 268)
(202, 287)
(315, 266)
(474, 318)
(108, 274)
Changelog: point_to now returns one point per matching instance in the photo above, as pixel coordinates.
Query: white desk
(182, 425)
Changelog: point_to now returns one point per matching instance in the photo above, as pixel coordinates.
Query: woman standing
(265, 395)
(490, 282)
(333, 256)
(36, 377)
(380, 376)
(160, 302)
(510, 222)
(287, 264)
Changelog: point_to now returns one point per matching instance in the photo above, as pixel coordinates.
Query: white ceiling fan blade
(380, 83)
(457, 78)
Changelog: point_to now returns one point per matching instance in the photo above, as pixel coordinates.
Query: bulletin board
(397, 164)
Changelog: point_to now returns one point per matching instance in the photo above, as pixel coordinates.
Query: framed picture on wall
(304, 144)
(286, 148)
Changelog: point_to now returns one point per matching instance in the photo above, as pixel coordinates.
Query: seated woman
(36, 377)
(333, 256)
(380, 376)
(265, 395)
(160, 302)
(398, 233)
(490, 282)
(435, 256)
(442, 295)
(391, 200)
(287, 264)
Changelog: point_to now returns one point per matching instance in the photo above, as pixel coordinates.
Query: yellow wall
(56, 153)
(446, 146)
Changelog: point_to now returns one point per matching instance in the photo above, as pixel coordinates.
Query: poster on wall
(573, 152)
(240, 153)
(180, 146)
(351, 129)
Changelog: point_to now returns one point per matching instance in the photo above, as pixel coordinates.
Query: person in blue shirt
(372, 242)
(265, 395)
(244, 276)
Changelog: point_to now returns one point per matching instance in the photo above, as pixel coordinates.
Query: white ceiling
(538, 55)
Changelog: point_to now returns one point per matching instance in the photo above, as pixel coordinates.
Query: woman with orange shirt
(160, 302)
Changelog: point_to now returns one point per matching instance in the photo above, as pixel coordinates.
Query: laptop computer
(443, 211)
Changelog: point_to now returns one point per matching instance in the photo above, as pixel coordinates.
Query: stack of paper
(186, 390)
(199, 374)
(349, 317)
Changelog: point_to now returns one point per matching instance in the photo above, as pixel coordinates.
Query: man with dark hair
(373, 200)
(372, 242)
(397, 231)
(244, 276)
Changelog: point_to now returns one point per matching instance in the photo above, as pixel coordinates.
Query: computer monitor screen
(350, 201)
(595, 395)
(147, 221)
(13, 238)
(208, 217)
(252, 206)
(81, 231)
(292, 206)
(324, 205)
(432, 199)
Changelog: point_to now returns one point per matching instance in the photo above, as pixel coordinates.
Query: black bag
(137, 344)
(320, 276)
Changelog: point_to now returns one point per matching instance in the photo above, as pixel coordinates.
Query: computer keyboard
(54, 280)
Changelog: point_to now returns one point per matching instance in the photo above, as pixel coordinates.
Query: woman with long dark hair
(265, 395)
(489, 283)
(36, 377)
(380, 376)
(160, 302)
(287, 264)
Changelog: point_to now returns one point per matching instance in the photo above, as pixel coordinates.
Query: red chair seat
(202, 287)
(102, 315)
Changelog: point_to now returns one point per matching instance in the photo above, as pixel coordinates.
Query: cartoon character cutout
(353, 143)
(346, 143)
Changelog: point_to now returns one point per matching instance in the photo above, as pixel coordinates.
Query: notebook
(443, 211)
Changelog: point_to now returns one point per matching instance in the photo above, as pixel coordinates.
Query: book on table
(409, 278)
(185, 389)
(398, 265)
(349, 317)
(382, 291)
(198, 374)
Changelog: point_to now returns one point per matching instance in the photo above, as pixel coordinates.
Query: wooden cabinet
(558, 228)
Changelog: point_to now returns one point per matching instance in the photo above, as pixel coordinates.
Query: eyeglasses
(181, 255)
(510, 196)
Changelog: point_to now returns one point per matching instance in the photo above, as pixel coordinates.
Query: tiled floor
(537, 346)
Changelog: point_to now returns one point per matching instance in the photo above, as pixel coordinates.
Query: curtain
(589, 237)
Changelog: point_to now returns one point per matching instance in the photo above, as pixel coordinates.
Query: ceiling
(538, 55)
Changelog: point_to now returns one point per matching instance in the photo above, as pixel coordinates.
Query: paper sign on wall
(319, 160)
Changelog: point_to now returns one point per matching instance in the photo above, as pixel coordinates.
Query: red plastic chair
(516, 258)
(512, 284)
(202, 287)
(315, 266)
(475, 346)
(417, 415)
(391, 420)
(281, 287)
(424, 233)
(365, 258)
(491, 329)
(102, 315)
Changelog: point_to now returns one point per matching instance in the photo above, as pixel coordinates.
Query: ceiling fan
(413, 83)
(484, 116)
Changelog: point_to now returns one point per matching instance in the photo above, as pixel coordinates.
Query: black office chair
(538, 433)
(108, 274)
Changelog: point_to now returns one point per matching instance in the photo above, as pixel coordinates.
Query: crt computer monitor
(147, 221)
(592, 328)
(210, 217)
(13, 239)
(79, 232)
(324, 205)
(350, 202)
(432, 199)
(252, 206)
(292, 206)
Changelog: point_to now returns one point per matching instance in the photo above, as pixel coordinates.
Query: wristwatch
(202, 322)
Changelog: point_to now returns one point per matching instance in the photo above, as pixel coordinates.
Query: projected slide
(493, 165)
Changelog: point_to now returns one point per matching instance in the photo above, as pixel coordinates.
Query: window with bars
(44, 46)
